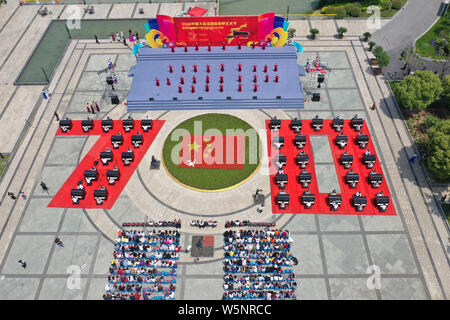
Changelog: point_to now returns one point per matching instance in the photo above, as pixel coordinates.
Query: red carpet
(294, 188)
(212, 152)
(63, 198)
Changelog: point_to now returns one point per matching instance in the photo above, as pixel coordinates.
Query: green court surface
(256, 7)
(210, 179)
(51, 47)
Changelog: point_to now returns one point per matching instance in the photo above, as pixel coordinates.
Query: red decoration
(168, 81)
(182, 80)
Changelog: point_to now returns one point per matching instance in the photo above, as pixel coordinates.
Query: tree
(386, 4)
(314, 32)
(439, 149)
(366, 36)
(352, 10)
(442, 64)
(418, 91)
(371, 45)
(341, 31)
(410, 59)
(382, 57)
(397, 4)
(446, 87)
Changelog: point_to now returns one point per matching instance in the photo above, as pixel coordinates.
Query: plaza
(335, 252)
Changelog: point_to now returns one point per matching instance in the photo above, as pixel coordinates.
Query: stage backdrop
(266, 29)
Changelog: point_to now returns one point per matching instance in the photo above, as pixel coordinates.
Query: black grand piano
(87, 124)
(302, 159)
(280, 160)
(357, 123)
(90, 175)
(127, 157)
(352, 178)
(305, 178)
(346, 160)
(275, 124)
(375, 179)
(281, 179)
(341, 140)
(282, 199)
(146, 124)
(381, 201)
(317, 123)
(334, 200)
(300, 141)
(308, 199)
(107, 124)
(113, 175)
(77, 195)
(116, 140)
(136, 140)
(296, 125)
(106, 156)
(338, 124)
(65, 124)
(369, 159)
(359, 201)
(128, 124)
(278, 141)
(362, 140)
(100, 195)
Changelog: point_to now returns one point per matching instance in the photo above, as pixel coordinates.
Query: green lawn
(441, 28)
(3, 163)
(210, 179)
(364, 4)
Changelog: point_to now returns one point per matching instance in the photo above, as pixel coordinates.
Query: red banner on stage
(216, 30)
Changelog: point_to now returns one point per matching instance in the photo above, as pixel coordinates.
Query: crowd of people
(154, 224)
(248, 223)
(144, 265)
(258, 265)
(204, 223)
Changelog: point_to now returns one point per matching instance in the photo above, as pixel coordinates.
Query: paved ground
(334, 252)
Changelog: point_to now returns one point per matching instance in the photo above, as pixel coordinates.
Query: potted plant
(341, 31)
(291, 32)
(314, 32)
(366, 36)
(371, 45)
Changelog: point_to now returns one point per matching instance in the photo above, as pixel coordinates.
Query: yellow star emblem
(194, 146)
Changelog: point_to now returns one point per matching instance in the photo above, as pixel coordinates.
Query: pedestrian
(196, 259)
(22, 194)
(188, 248)
(12, 196)
(260, 208)
(96, 39)
(44, 94)
(413, 158)
(115, 78)
(136, 36)
(44, 186)
(117, 37)
(23, 263)
(374, 106)
(124, 42)
(59, 242)
(97, 107)
(92, 109)
(131, 39)
(110, 38)
(87, 107)
(56, 115)
(443, 198)
(113, 36)
(110, 64)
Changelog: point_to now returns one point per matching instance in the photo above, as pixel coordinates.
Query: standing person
(56, 115)
(92, 109)
(44, 94)
(136, 36)
(131, 39)
(12, 196)
(59, 242)
(97, 107)
(121, 35)
(87, 107)
(260, 208)
(22, 194)
(124, 41)
(96, 39)
(374, 106)
(44, 186)
(117, 37)
(23, 263)
(115, 78)
(413, 158)
(113, 36)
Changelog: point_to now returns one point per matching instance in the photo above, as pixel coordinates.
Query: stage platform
(192, 79)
